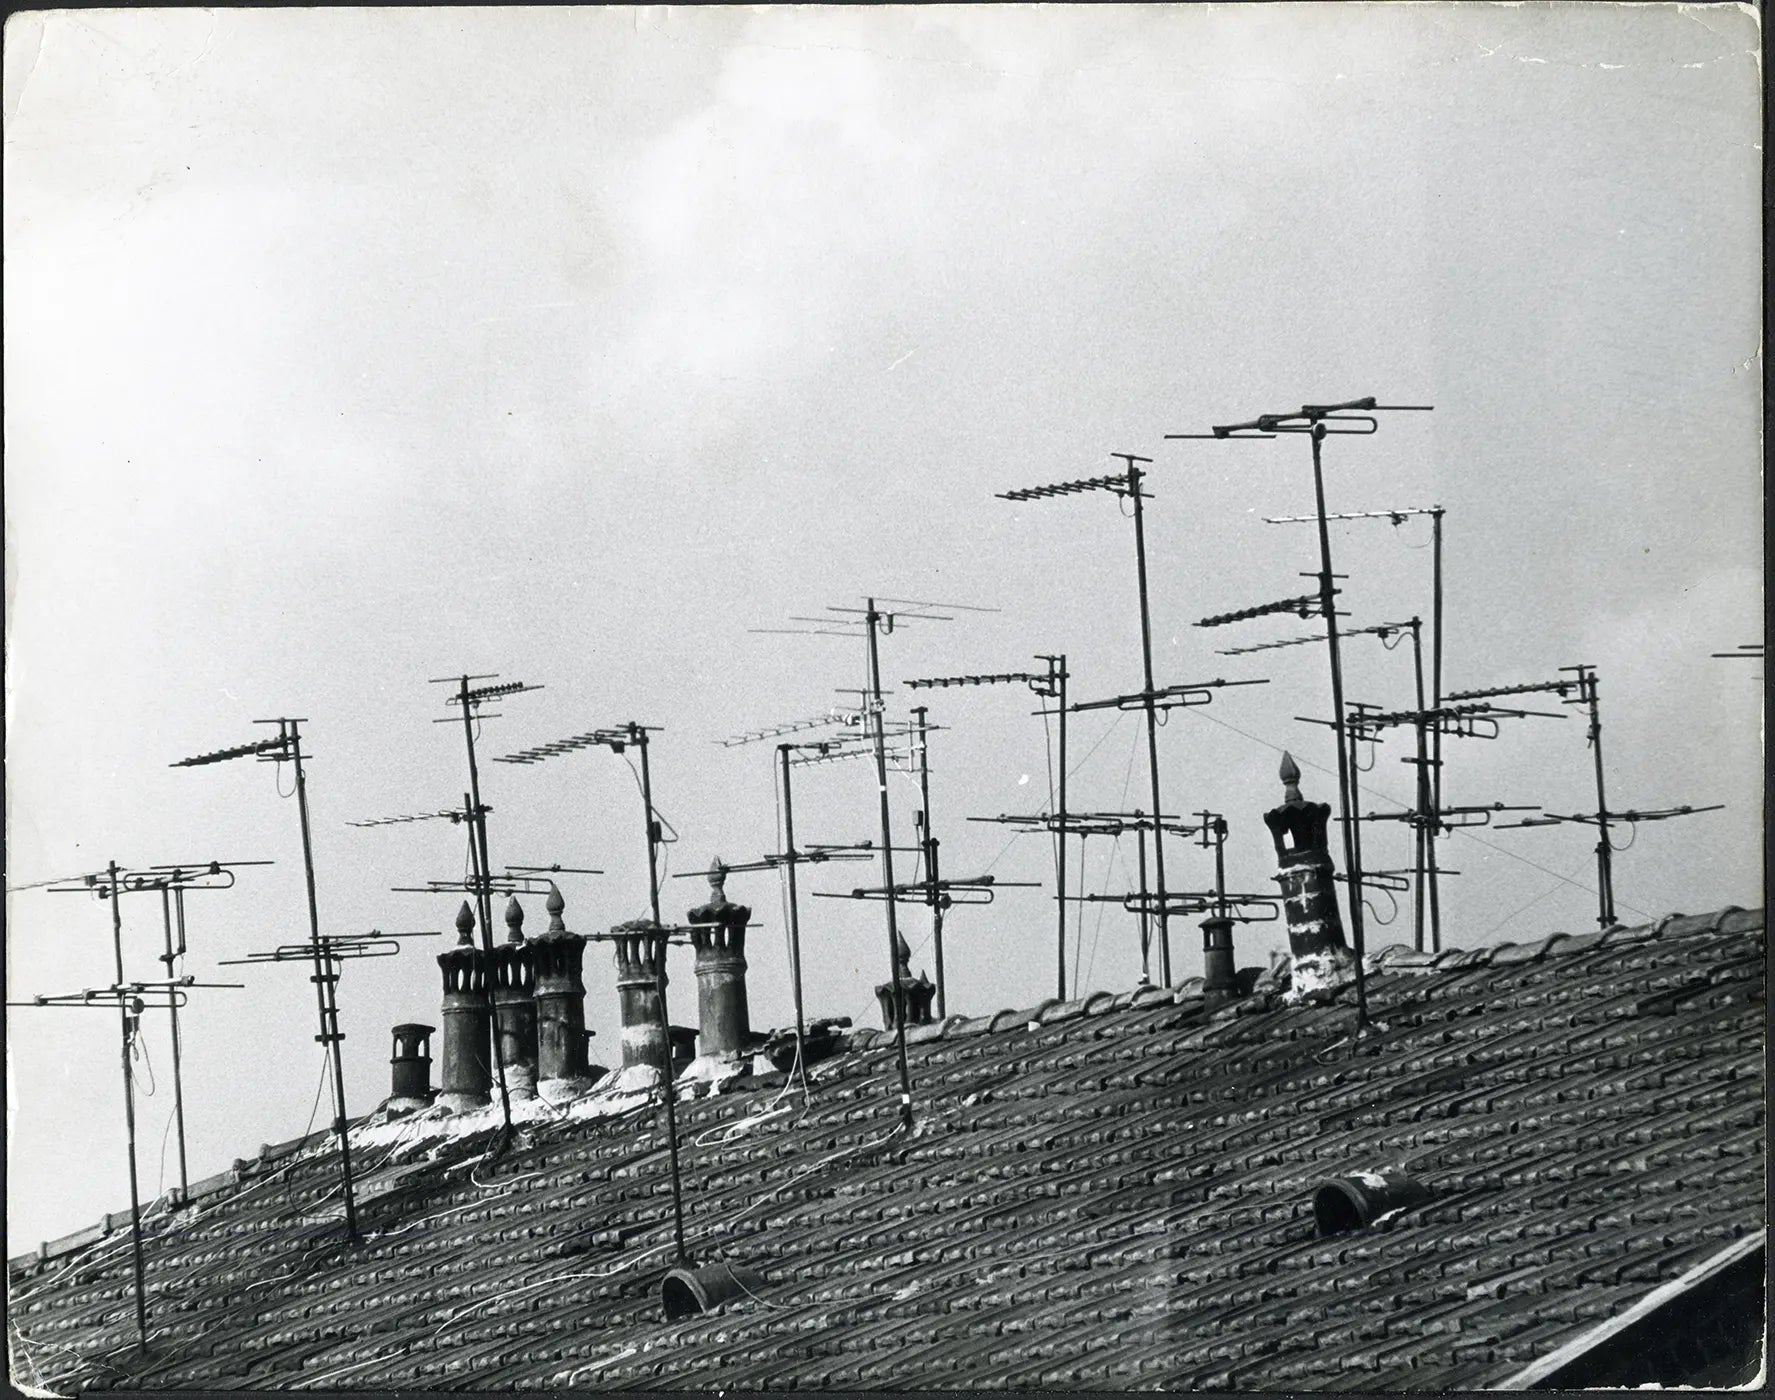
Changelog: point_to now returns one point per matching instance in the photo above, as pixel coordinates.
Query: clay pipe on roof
(467, 1077)
(718, 933)
(1322, 961)
(410, 1068)
(640, 971)
(558, 957)
(512, 979)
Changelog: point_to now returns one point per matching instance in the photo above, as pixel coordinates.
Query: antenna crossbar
(1305, 606)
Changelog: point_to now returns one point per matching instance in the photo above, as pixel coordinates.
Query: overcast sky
(347, 349)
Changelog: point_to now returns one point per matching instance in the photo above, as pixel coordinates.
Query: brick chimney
(718, 933)
(513, 984)
(916, 993)
(468, 1049)
(640, 967)
(557, 956)
(410, 1069)
(1322, 961)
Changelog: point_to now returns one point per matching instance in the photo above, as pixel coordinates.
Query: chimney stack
(467, 1078)
(640, 967)
(916, 993)
(513, 984)
(1220, 981)
(410, 1089)
(718, 933)
(1322, 961)
(557, 956)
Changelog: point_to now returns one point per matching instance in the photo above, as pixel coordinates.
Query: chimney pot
(718, 933)
(467, 1075)
(915, 995)
(1322, 961)
(410, 1086)
(640, 968)
(561, 1067)
(514, 1000)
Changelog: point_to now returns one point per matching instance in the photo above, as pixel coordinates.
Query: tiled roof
(1112, 1194)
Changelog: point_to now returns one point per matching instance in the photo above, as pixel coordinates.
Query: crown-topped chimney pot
(561, 1068)
(467, 1076)
(718, 933)
(513, 977)
(915, 994)
(640, 970)
(1322, 961)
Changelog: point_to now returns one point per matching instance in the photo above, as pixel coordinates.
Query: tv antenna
(171, 882)
(790, 857)
(1396, 518)
(853, 718)
(1422, 817)
(1049, 685)
(1317, 422)
(1127, 485)
(132, 1000)
(1582, 690)
(286, 747)
(329, 954)
(617, 739)
(871, 622)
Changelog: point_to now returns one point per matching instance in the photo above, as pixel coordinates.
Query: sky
(351, 348)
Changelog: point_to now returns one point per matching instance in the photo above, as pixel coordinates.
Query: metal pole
(1327, 605)
(638, 737)
(1435, 829)
(129, 1115)
(1145, 911)
(1605, 875)
(1057, 670)
(484, 897)
(1422, 822)
(789, 860)
(1152, 723)
(324, 978)
(172, 1011)
(932, 895)
(873, 619)
(1219, 865)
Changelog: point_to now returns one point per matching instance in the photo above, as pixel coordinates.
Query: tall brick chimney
(467, 1077)
(513, 985)
(640, 955)
(915, 993)
(1322, 961)
(718, 933)
(557, 955)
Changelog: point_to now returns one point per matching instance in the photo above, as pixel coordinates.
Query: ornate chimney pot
(561, 1068)
(1322, 961)
(514, 1003)
(640, 968)
(718, 933)
(914, 994)
(467, 1077)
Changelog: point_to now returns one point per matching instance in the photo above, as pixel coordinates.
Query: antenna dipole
(1049, 684)
(1319, 421)
(287, 748)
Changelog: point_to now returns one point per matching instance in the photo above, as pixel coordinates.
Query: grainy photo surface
(1009, 697)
